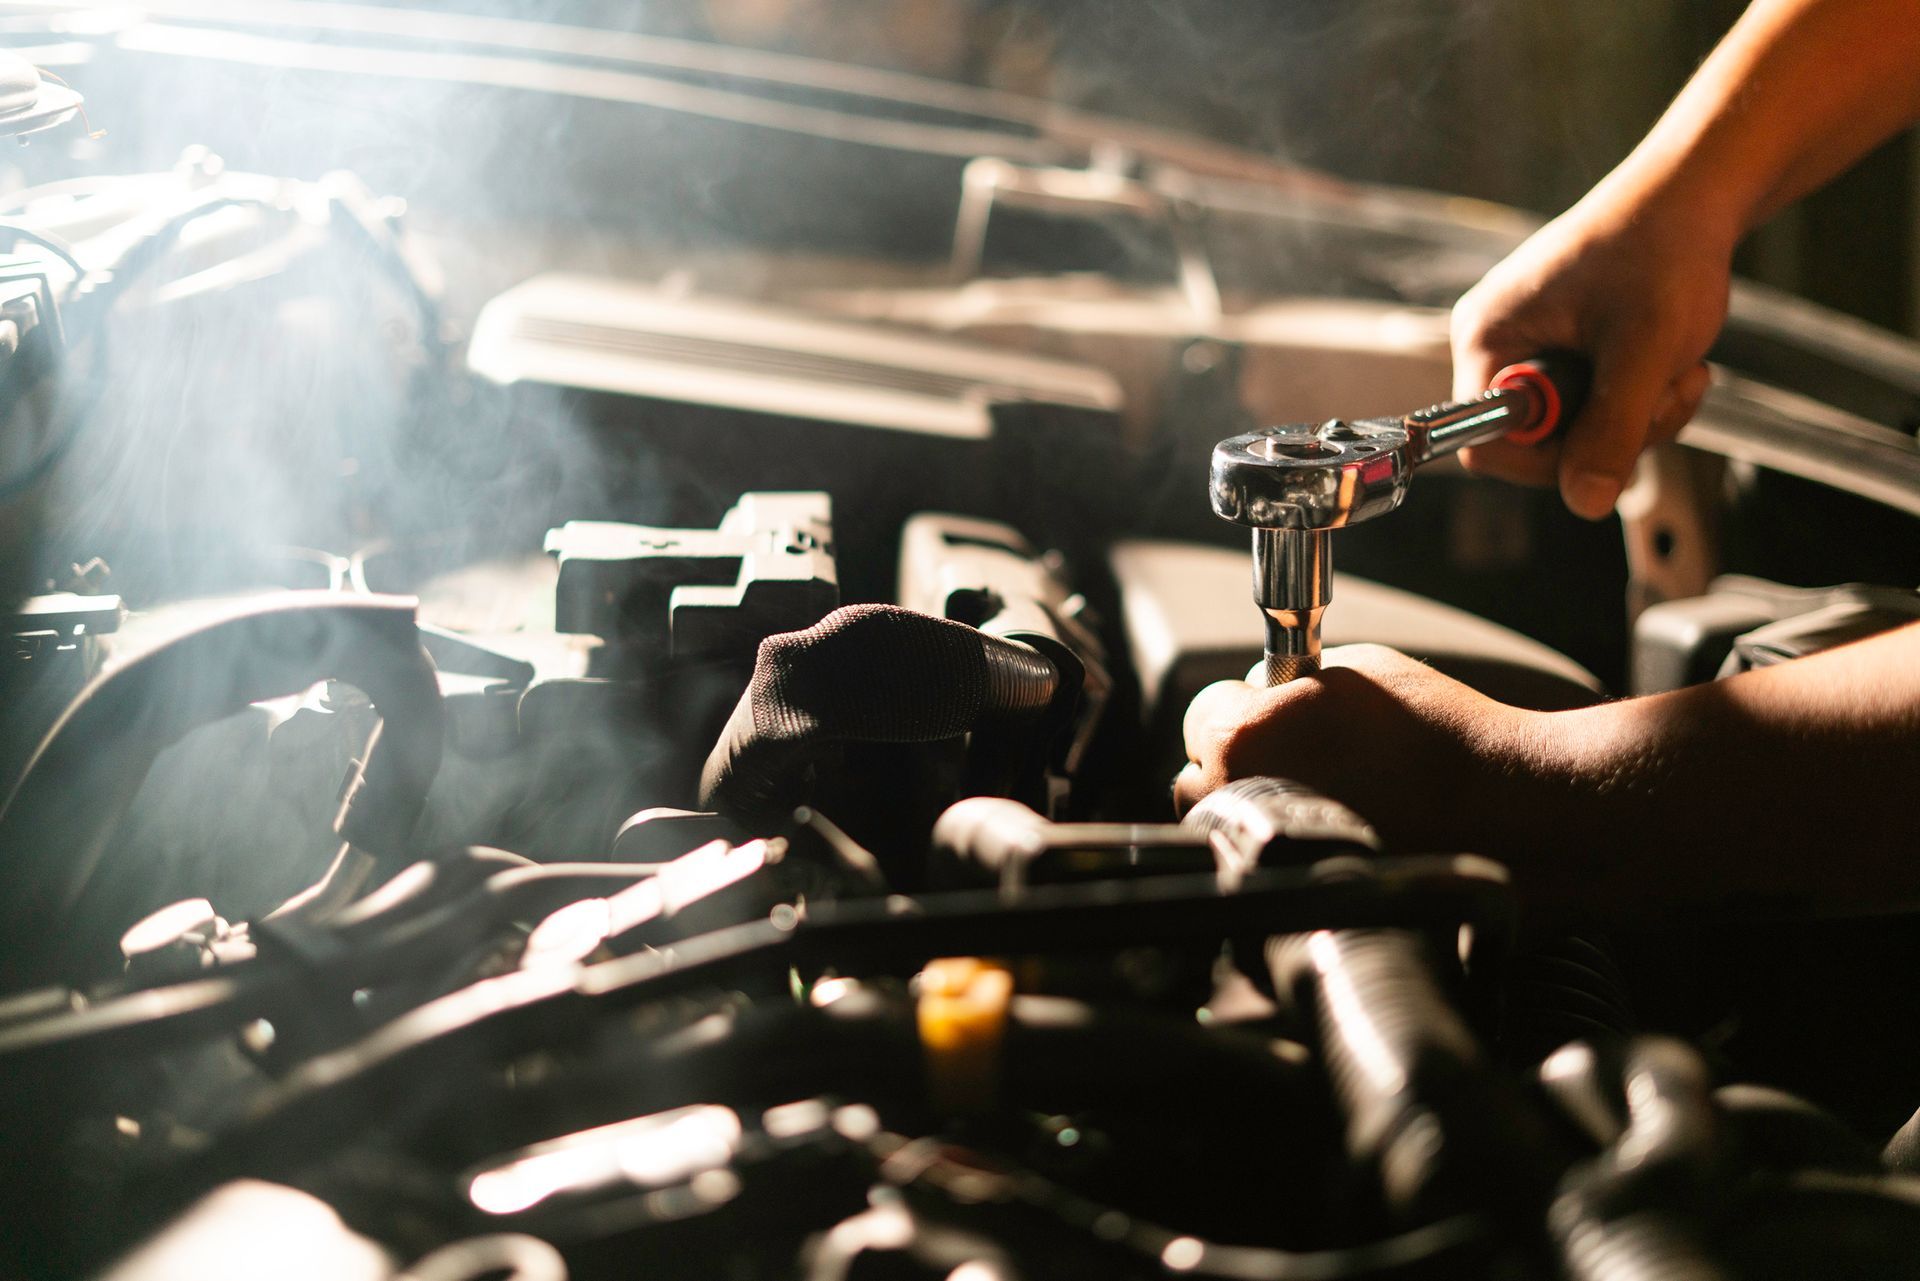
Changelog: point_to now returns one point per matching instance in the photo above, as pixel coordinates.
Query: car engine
(557, 725)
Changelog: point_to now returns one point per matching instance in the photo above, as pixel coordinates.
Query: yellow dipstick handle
(962, 1016)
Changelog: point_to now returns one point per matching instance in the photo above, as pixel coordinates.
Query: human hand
(1420, 756)
(1636, 282)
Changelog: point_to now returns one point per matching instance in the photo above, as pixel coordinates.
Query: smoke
(263, 377)
(299, 399)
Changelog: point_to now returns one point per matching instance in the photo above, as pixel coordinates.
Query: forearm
(1797, 91)
(1790, 789)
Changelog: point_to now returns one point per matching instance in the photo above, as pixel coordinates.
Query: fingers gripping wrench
(1294, 485)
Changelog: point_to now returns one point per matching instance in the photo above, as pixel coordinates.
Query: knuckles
(1240, 749)
(1281, 734)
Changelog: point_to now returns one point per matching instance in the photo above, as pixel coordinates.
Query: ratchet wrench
(1293, 485)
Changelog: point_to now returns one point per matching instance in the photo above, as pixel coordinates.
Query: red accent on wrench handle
(1558, 382)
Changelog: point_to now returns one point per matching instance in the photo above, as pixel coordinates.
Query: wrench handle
(1526, 403)
(1557, 382)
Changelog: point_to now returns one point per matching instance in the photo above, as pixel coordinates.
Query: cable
(519, 1256)
(51, 243)
(118, 275)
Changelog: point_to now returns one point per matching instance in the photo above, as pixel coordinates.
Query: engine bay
(546, 740)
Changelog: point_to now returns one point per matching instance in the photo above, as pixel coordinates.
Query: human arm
(1636, 274)
(1783, 790)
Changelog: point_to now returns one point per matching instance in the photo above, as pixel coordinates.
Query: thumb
(1601, 446)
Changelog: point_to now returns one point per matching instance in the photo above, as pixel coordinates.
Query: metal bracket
(715, 593)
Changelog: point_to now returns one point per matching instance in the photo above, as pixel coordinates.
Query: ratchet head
(1325, 475)
(1312, 475)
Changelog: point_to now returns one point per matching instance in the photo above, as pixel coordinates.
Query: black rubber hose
(1441, 1128)
(1424, 1112)
(1645, 1246)
(61, 817)
(1273, 822)
(869, 674)
(1057, 1054)
(1641, 1210)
